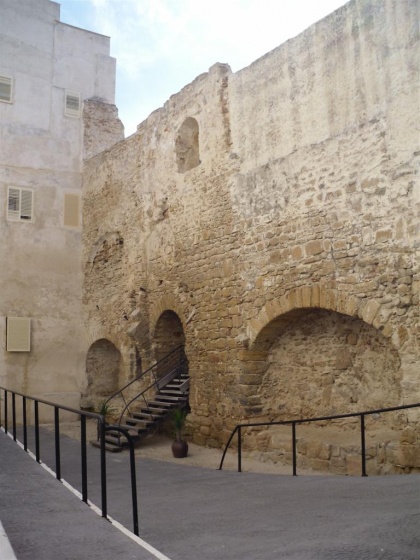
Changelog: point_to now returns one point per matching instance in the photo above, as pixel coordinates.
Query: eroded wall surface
(290, 250)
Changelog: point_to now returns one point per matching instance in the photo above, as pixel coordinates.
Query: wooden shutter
(6, 89)
(18, 337)
(71, 209)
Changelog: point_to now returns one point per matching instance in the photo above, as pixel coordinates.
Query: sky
(162, 45)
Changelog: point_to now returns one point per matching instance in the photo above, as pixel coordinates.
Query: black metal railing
(162, 372)
(293, 423)
(83, 443)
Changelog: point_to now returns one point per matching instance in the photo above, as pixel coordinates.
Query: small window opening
(186, 146)
(19, 204)
(6, 84)
(72, 108)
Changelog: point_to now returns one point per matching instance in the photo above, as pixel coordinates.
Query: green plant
(106, 410)
(178, 418)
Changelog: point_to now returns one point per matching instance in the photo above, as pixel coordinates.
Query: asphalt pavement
(194, 513)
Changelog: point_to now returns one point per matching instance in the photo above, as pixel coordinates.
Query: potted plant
(105, 410)
(179, 445)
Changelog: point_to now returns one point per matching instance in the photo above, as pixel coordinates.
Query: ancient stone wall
(275, 212)
(101, 126)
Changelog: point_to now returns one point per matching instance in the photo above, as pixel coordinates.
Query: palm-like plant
(178, 418)
(107, 411)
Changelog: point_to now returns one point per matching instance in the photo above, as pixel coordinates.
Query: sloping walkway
(190, 513)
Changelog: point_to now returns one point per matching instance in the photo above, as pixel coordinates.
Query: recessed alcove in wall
(103, 362)
(168, 335)
(320, 362)
(187, 146)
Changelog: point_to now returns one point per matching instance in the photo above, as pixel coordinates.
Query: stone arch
(318, 296)
(187, 150)
(165, 303)
(168, 334)
(103, 368)
(323, 352)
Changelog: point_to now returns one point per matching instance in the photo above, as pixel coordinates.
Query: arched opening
(169, 334)
(314, 362)
(187, 146)
(321, 362)
(103, 365)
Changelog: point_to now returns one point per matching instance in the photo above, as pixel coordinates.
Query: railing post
(57, 443)
(363, 443)
(294, 447)
(239, 449)
(25, 427)
(103, 470)
(84, 457)
(14, 416)
(37, 455)
(133, 475)
(5, 411)
(133, 486)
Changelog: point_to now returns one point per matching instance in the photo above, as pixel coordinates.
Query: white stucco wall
(41, 149)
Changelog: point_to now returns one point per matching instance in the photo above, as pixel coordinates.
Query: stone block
(370, 311)
(409, 435)
(313, 248)
(354, 464)
(320, 465)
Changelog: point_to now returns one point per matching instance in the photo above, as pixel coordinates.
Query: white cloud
(161, 45)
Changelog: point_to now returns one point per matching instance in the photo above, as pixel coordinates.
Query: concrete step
(108, 447)
(170, 398)
(136, 422)
(148, 416)
(160, 405)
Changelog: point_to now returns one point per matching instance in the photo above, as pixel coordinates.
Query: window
(71, 210)
(18, 334)
(19, 205)
(72, 107)
(6, 84)
(186, 146)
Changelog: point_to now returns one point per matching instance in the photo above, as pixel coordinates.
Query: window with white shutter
(19, 204)
(72, 106)
(18, 334)
(6, 89)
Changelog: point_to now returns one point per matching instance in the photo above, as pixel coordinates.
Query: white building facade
(47, 71)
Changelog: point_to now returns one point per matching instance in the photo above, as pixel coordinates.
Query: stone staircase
(143, 416)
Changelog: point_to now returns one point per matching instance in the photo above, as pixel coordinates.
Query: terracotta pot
(179, 449)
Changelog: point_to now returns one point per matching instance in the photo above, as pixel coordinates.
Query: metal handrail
(83, 415)
(238, 428)
(155, 383)
(148, 370)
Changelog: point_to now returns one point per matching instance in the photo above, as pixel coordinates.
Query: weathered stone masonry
(274, 213)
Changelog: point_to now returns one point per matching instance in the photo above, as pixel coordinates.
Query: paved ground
(190, 513)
